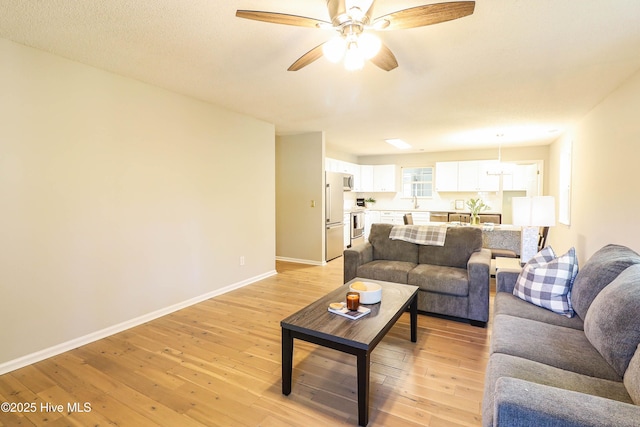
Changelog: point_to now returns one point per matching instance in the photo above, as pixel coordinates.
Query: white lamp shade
(538, 211)
(369, 44)
(334, 49)
(353, 59)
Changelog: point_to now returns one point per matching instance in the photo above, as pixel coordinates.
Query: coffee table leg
(414, 318)
(287, 361)
(363, 387)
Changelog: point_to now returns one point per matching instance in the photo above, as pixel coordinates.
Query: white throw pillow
(546, 281)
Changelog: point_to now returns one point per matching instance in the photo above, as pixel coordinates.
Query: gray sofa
(453, 279)
(549, 370)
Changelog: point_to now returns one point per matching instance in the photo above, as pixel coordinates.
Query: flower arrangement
(475, 207)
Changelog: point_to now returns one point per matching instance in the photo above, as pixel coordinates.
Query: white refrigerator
(334, 215)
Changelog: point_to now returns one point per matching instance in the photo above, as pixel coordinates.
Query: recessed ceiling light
(398, 143)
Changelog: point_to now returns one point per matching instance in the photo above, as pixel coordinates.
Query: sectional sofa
(546, 369)
(453, 279)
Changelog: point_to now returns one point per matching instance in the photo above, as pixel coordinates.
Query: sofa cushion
(548, 284)
(503, 365)
(388, 271)
(459, 244)
(632, 377)
(507, 303)
(612, 324)
(439, 279)
(600, 270)
(392, 250)
(564, 348)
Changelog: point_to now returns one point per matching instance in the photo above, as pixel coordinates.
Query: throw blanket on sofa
(432, 235)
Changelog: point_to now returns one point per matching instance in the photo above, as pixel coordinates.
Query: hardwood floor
(218, 364)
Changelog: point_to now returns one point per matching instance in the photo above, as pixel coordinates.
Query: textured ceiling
(525, 69)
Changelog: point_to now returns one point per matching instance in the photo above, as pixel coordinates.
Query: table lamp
(532, 213)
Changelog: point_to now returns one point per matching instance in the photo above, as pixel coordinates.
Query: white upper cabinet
(365, 179)
(384, 178)
(489, 179)
(333, 165)
(468, 174)
(377, 178)
(471, 176)
(447, 176)
(521, 177)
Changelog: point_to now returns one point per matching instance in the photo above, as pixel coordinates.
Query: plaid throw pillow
(546, 281)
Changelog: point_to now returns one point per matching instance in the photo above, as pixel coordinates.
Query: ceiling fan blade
(307, 58)
(424, 15)
(281, 18)
(369, 12)
(385, 59)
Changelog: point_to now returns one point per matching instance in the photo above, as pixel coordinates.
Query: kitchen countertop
(423, 210)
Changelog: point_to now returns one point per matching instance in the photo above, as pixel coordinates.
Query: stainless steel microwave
(347, 182)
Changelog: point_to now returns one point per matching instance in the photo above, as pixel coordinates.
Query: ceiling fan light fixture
(350, 18)
(369, 45)
(357, 9)
(353, 58)
(334, 49)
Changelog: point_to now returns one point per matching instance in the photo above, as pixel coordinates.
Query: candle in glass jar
(353, 301)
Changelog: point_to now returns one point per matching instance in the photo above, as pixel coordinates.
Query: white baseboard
(23, 361)
(300, 261)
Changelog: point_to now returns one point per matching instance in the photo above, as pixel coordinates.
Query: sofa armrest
(506, 280)
(522, 403)
(354, 257)
(478, 268)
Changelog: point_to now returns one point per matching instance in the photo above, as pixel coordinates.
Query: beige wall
(299, 180)
(119, 200)
(605, 206)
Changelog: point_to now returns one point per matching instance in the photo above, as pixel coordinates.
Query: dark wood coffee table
(358, 337)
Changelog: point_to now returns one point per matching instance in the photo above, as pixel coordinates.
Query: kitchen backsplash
(439, 202)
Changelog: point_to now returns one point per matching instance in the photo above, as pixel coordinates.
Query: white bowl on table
(372, 294)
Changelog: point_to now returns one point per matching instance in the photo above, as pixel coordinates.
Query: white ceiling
(526, 69)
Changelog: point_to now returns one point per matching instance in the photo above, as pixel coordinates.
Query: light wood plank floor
(218, 364)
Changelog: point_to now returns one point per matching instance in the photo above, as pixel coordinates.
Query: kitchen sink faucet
(415, 202)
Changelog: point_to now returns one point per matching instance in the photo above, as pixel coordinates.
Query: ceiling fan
(353, 21)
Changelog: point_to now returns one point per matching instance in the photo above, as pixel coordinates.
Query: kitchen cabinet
(365, 179)
(439, 216)
(384, 178)
(488, 179)
(371, 178)
(333, 165)
(521, 178)
(397, 217)
(470, 176)
(377, 178)
(391, 217)
(421, 218)
(447, 176)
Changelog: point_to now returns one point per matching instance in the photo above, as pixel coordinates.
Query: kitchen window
(417, 182)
